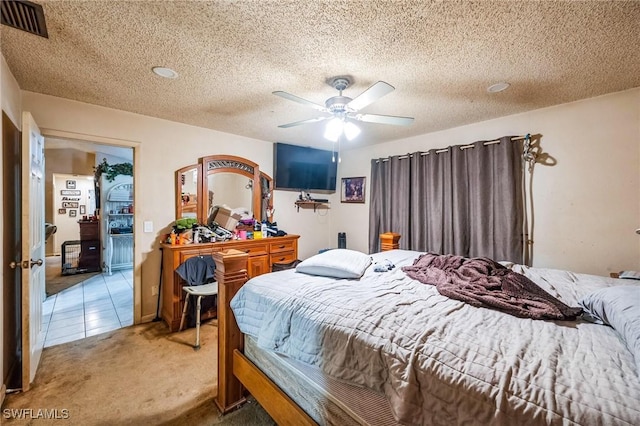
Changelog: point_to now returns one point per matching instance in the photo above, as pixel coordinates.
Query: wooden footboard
(234, 370)
(231, 274)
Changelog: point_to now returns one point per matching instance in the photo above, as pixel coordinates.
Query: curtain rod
(462, 147)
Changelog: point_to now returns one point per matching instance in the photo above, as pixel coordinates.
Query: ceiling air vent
(25, 16)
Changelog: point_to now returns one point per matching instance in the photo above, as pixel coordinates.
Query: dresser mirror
(223, 180)
(231, 190)
(188, 191)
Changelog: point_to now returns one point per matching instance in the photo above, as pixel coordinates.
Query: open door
(33, 254)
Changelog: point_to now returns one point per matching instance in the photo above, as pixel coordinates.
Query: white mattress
(439, 361)
(326, 400)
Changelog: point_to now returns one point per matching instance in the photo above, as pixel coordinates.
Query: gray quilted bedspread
(440, 361)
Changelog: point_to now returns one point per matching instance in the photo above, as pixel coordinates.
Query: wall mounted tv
(299, 168)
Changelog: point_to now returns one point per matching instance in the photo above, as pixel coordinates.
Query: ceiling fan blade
(370, 95)
(297, 123)
(384, 119)
(300, 100)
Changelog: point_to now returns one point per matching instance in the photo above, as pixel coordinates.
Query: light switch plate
(148, 226)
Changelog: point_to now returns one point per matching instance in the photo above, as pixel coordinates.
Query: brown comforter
(482, 282)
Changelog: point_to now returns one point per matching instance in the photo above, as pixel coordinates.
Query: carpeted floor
(55, 282)
(138, 375)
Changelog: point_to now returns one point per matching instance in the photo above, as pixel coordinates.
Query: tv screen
(299, 168)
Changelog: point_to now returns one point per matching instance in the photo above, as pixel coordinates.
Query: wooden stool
(200, 291)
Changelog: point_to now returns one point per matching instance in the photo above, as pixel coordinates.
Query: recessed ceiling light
(165, 72)
(498, 87)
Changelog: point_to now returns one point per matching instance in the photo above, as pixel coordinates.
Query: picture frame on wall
(83, 209)
(73, 213)
(352, 190)
(70, 204)
(62, 211)
(71, 184)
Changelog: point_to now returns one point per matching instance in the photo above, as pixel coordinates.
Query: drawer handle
(282, 258)
(247, 251)
(282, 246)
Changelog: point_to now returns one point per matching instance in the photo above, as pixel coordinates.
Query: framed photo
(71, 184)
(70, 204)
(352, 190)
(62, 211)
(73, 213)
(83, 209)
(69, 191)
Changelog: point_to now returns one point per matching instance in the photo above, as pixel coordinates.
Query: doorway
(89, 297)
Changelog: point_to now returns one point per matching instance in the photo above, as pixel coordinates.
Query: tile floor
(100, 304)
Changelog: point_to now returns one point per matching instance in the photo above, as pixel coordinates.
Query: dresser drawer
(260, 249)
(283, 257)
(89, 230)
(281, 246)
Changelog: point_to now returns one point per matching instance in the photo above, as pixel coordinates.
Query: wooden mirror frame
(232, 164)
(179, 174)
(266, 197)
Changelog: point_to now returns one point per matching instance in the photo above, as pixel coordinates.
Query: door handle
(25, 264)
(31, 263)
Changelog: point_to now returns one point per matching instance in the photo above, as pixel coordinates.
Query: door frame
(137, 234)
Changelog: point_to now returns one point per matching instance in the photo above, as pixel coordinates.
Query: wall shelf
(311, 205)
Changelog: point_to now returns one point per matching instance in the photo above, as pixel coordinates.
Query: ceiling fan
(345, 109)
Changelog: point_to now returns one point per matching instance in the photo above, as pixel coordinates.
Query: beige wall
(65, 161)
(164, 147)
(587, 206)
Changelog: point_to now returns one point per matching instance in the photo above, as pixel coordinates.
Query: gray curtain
(463, 201)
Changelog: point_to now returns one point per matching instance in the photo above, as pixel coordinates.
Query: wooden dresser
(262, 253)
(89, 260)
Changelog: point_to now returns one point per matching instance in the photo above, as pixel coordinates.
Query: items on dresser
(263, 254)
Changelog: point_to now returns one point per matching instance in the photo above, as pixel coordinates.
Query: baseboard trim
(147, 318)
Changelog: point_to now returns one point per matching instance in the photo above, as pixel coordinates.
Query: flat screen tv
(299, 168)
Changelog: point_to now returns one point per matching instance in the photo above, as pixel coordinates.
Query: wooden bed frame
(236, 374)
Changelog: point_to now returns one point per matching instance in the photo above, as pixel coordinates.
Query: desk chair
(200, 291)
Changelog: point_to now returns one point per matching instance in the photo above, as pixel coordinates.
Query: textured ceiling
(230, 56)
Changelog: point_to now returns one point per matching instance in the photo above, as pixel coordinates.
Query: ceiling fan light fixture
(351, 131)
(333, 130)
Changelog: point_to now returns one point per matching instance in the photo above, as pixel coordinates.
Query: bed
(387, 349)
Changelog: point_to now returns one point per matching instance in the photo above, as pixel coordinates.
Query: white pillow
(618, 307)
(337, 263)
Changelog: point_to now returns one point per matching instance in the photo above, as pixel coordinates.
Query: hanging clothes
(197, 270)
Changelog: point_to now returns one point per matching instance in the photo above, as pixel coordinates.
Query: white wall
(587, 206)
